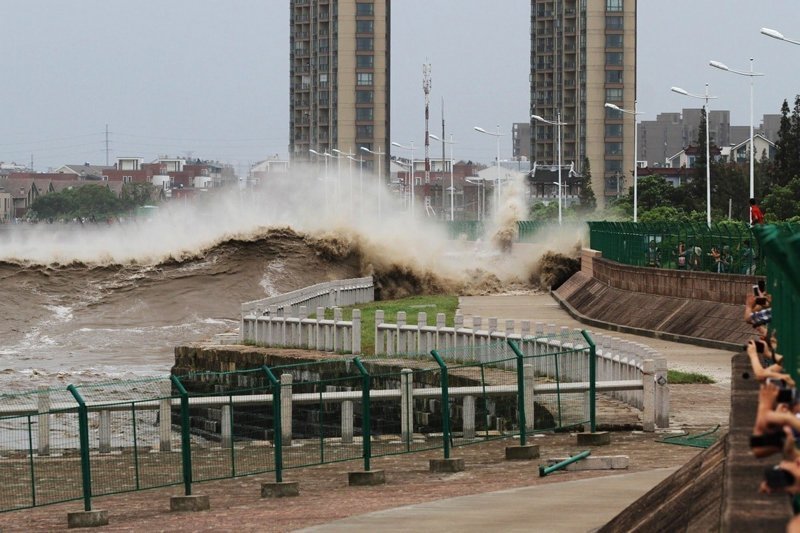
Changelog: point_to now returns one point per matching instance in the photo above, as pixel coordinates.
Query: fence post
(44, 423)
(276, 422)
(520, 393)
(592, 380)
(83, 431)
(286, 408)
(649, 395)
(445, 404)
(355, 347)
(105, 432)
(380, 345)
(366, 430)
(406, 406)
(662, 393)
(165, 425)
(186, 440)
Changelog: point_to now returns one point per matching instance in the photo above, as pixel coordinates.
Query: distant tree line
(91, 202)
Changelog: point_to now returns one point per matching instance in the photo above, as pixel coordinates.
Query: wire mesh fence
(729, 248)
(109, 438)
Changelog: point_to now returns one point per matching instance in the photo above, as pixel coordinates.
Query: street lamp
(411, 148)
(481, 183)
(775, 34)
(451, 142)
(497, 185)
(705, 97)
(751, 75)
(325, 179)
(380, 177)
(635, 153)
(360, 162)
(558, 125)
(348, 155)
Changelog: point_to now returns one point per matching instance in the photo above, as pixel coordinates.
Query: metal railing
(659, 245)
(329, 294)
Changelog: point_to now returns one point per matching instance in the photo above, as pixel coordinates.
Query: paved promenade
(572, 506)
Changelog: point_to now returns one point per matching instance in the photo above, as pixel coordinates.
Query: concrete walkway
(571, 506)
(544, 308)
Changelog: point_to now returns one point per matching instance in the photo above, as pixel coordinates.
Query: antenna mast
(426, 88)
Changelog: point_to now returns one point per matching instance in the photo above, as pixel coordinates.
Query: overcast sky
(210, 78)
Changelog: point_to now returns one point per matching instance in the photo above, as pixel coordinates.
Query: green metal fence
(724, 248)
(781, 245)
(91, 440)
(472, 230)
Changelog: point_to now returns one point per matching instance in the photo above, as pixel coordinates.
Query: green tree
(137, 194)
(783, 202)
(588, 202)
(787, 152)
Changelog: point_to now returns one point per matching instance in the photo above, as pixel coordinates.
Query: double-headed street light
(451, 142)
(411, 148)
(775, 34)
(380, 176)
(751, 75)
(325, 156)
(705, 97)
(347, 155)
(497, 184)
(635, 153)
(557, 123)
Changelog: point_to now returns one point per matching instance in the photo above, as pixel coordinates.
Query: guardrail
(299, 331)
(337, 293)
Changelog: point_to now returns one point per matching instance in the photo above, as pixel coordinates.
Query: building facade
(339, 78)
(583, 55)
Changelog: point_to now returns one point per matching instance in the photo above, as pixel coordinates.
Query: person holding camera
(772, 416)
(766, 363)
(758, 307)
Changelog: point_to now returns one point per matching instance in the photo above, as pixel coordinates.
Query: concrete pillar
(530, 399)
(272, 326)
(401, 339)
(338, 337)
(356, 343)
(347, 422)
(441, 341)
(165, 425)
(286, 409)
(525, 328)
(225, 427)
(468, 409)
(648, 412)
(421, 346)
(303, 329)
(406, 405)
(318, 329)
(105, 431)
(662, 393)
(43, 423)
(380, 345)
(459, 340)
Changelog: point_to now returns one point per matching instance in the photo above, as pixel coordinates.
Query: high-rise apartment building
(583, 55)
(339, 78)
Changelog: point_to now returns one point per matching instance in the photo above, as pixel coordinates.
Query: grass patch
(676, 377)
(416, 304)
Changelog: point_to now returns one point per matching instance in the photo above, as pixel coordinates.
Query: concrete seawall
(695, 307)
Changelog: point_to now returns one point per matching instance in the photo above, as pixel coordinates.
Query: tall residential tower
(339, 78)
(583, 54)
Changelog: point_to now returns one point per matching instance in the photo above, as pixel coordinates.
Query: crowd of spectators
(777, 424)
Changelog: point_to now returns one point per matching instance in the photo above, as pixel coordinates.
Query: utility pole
(106, 144)
(426, 88)
(444, 196)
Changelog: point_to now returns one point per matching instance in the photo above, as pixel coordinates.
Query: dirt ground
(325, 495)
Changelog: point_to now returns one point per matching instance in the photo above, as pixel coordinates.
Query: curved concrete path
(572, 506)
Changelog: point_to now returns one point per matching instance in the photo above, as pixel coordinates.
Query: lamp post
(481, 201)
(751, 75)
(635, 153)
(411, 148)
(557, 123)
(775, 34)
(380, 177)
(360, 162)
(705, 97)
(348, 155)
(324, 179)
(451, 142)
(497, 184)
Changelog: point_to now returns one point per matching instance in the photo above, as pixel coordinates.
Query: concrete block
(522, 453)
(598, 438)
(366, 478)
(594, 462)
(87, 519)
(197, 502)
(283, 489)
(446, 465)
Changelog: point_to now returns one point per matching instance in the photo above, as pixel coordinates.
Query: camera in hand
(761, 301)
(785, 394)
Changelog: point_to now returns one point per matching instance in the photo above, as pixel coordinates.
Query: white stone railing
(617, 360)
(299, 331)
(339, 293)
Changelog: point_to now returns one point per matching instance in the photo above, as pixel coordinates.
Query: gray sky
(210, 78)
